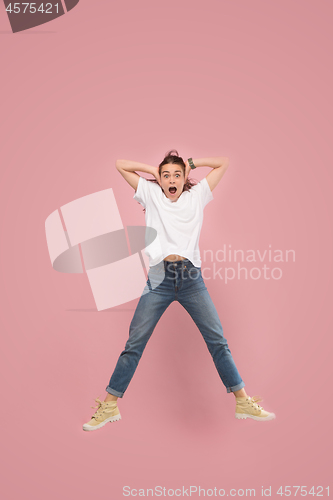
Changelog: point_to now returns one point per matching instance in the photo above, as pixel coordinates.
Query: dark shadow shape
(25, 19)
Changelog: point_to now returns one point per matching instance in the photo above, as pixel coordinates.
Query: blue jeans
(168, 281)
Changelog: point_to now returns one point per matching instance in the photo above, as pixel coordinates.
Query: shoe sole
(87, 427)
(246, 415)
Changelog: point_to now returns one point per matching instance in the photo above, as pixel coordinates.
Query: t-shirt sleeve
(142, 193)
(204, 191)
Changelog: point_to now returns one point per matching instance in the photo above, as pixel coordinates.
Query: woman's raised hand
(187, 169)
(155, 173)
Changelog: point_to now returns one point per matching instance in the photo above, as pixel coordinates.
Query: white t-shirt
(178, 223)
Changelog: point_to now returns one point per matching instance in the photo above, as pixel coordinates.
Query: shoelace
(100, 408)
(254, 401)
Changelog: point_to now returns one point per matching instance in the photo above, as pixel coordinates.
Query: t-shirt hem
(195, 262)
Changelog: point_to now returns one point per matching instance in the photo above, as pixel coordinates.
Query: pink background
(250, 80)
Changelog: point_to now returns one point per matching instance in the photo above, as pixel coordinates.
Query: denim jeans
(168, 281)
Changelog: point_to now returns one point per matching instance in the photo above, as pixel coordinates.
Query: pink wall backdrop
(250, 80)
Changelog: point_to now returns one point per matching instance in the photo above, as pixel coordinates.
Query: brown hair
(172, 156)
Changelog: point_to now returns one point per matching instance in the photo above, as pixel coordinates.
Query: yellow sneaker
(249, 408)
(107, 411)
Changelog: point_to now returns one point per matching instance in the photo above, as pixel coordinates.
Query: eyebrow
(167, 171)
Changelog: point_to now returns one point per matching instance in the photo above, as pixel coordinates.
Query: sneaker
(107, 411)
(249, 408)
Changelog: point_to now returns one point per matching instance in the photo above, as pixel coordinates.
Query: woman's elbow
(119, 164)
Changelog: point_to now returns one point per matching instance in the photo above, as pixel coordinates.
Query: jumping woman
(174, 208)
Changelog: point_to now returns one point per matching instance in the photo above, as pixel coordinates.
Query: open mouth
(172, 190)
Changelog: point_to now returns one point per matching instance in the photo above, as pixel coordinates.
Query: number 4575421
(31, 8)
(303, 491)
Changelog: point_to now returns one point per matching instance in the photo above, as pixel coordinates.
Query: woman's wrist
(213, 162)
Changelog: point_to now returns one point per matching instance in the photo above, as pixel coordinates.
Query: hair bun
(172, 152)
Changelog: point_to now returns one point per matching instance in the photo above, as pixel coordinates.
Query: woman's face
(172, 176)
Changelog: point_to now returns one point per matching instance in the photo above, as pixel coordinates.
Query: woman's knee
(136, 342)
(217, 342)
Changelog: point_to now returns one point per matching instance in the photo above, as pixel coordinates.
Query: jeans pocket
(194, 273)
(157, 270)
(156, 275)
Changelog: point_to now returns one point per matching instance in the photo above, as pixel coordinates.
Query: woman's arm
(127, 169)
(219, 165)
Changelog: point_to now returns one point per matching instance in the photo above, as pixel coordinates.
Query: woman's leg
(240, 394)
(149, 310)
(195, 298)
(203, 312)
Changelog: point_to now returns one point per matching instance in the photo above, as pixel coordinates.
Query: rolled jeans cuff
(114, 393)
(236, 387)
